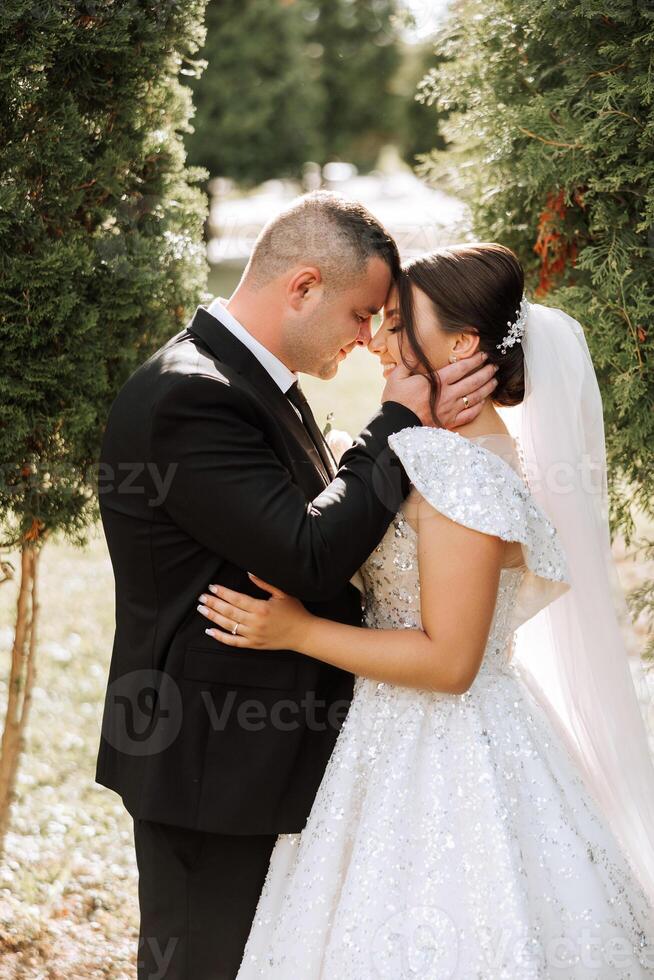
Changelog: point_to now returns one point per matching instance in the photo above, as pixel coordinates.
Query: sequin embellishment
(451, 837)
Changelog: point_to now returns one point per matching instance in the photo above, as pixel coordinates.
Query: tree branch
(542, 139)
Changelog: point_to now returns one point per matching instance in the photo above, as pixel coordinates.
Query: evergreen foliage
(100, 233)
(289, 81)
(257, 100)
(359, 45)
(552, 145)
(419, 123)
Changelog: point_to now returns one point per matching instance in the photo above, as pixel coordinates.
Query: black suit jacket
(206, 473)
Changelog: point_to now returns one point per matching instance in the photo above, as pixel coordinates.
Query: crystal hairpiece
(516, 329)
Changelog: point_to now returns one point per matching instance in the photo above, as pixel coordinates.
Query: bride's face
(439, 345)
(385, 343)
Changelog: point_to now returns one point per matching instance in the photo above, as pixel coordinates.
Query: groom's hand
(410, 390)
(468, 379)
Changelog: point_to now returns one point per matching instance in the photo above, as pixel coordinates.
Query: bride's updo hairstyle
(473, 288)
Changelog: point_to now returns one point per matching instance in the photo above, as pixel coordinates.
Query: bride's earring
(453, 358)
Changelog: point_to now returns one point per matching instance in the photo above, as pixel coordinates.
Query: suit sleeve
(231, 493)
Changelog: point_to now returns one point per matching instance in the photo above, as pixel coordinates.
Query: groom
(213, 466)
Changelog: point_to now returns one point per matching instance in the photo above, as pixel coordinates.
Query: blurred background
(331, 104)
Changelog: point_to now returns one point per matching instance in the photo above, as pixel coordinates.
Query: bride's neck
(487, 423)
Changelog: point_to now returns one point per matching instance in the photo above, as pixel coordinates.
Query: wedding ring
(466, 401)
(235, 629)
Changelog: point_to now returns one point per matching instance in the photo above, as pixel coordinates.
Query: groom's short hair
(326, 230)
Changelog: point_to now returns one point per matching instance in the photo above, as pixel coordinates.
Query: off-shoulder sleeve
(478, 489)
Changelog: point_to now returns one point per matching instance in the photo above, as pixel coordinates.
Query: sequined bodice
(451, 836)
(479, 489)
(392, 586)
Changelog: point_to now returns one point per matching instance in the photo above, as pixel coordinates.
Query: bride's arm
(459, 576)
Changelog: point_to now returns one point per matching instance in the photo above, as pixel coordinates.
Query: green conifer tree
(289, 81)
(256, 101)
(552, 145)
(100, 259)
(358, 56)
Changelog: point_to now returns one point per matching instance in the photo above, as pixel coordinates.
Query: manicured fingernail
(484, 355)
(203, 610)
(209, 632)
(204, 598)
(214, 589)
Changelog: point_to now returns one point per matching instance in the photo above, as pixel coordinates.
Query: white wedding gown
(451, 836)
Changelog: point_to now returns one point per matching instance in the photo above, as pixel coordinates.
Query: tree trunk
(21, 682)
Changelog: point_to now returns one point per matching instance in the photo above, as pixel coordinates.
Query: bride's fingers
(226, 622)
(227, 639)
(453, 373)
(469, 415)
(239, 599)
(476, 386)
(210, 604)
(274, 591)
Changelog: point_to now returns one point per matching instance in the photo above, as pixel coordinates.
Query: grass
(68, 895)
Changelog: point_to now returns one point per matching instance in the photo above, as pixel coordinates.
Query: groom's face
(339, 321)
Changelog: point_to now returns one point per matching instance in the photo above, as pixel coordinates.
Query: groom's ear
(304, 286)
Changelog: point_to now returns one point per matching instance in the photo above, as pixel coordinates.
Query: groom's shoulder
(183, 361)
(184, 358)
(182, 372)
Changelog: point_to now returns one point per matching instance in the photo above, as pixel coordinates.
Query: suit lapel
(227, 348)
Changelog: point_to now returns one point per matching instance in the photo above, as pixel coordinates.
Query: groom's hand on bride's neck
(410, 390)
(470, 378)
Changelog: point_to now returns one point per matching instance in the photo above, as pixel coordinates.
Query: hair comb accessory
(517, 328)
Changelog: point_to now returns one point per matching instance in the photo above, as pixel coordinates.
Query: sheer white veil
(573, 649)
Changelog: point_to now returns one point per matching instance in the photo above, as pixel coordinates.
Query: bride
(483, 815)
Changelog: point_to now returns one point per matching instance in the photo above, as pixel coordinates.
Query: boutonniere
(338, 441)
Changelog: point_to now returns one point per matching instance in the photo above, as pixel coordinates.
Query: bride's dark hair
(473, 288)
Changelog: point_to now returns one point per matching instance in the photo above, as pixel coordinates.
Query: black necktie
(296, 396)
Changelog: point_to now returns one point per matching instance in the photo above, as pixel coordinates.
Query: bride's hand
(277, 623)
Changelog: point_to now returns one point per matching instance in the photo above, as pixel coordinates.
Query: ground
(68, 906)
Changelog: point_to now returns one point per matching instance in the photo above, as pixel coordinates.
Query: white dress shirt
(281, 375)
